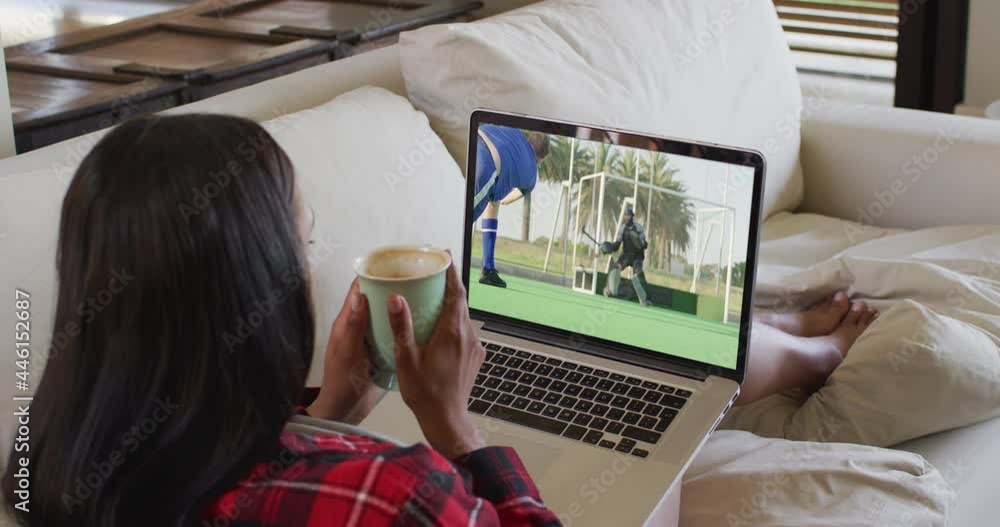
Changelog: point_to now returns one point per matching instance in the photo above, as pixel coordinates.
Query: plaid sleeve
(487, 488)
(498, 476)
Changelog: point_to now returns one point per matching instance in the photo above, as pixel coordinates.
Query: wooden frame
(233, 43)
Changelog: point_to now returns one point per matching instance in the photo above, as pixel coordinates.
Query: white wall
(982, 79)
(6, 127)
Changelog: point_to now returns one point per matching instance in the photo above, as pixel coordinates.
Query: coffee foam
(404, 263)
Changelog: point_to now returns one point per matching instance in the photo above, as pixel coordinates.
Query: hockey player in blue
(506, 171)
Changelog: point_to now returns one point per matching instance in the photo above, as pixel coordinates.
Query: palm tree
(555, 169)
(672, 215)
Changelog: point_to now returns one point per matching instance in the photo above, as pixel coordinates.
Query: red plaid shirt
(350, 480)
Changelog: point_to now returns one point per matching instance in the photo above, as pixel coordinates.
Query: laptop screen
(620, 237)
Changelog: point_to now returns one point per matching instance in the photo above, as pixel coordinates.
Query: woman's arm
(487, 487)
(435, 381)
(498, 476)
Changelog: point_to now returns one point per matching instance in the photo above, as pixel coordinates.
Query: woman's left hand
(348, 394)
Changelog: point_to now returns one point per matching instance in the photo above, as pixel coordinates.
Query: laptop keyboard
(599, 407)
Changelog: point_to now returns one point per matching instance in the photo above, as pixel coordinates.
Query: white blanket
(931, 362)
(740, 479)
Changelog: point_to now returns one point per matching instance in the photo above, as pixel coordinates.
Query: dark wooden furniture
(76, 83)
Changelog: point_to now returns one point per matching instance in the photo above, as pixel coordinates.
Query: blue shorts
(519, 169)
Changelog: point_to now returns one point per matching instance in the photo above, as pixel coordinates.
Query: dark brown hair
(187, 323)
(540, 144)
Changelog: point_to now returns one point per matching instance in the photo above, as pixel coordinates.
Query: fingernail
(395, 305)
(355, 303)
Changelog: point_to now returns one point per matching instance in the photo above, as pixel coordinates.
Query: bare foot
(855, 322)
(823, 354)
(821, 319)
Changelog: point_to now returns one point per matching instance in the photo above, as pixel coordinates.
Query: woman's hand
(435, 380)
(348, 394)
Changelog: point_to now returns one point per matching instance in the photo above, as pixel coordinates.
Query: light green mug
(416, 273)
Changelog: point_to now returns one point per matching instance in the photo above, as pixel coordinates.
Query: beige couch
(848, 156)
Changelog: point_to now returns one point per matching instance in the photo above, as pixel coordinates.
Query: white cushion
(30, 205)
(741, 479)
(374, 173)
(712, 70)
(969, 459)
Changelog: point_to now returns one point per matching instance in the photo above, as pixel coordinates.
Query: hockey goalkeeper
(631, 239)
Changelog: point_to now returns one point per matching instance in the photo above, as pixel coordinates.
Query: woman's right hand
(436, 379)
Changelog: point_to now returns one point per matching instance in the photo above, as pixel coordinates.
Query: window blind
(846, 37)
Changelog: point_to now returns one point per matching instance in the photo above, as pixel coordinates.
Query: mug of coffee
(416, 273)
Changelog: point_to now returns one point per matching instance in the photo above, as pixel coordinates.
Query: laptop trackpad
(537, 456)
(537, 451)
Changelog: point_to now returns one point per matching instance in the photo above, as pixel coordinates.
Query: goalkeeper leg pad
(614, 278)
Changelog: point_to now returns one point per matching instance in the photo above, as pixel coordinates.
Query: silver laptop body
(640, 388)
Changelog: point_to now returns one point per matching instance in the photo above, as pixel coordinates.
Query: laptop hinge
(609, 352)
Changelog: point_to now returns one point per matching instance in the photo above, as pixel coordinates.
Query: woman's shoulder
(331, 475)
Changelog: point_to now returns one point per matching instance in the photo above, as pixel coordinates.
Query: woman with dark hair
(164, 408)
(161, 411)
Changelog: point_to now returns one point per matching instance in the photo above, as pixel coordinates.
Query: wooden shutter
(852, 37)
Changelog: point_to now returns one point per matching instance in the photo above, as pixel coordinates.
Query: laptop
(615, 306)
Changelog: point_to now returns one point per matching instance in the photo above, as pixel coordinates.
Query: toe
(867, 316)
(840, 299)
(854, 315)
(839, 303)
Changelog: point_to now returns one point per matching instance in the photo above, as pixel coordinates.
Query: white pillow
(712, 70)
(374, 173)
(741, 479)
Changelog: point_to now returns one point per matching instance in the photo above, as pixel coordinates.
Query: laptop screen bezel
(609, 349)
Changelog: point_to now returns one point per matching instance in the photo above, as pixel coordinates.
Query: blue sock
(489, 228)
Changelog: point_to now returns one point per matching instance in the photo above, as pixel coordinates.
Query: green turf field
(653, 328)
